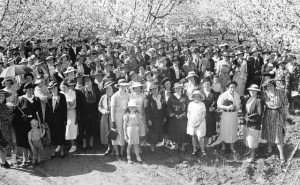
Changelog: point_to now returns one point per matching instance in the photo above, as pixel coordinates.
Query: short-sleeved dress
(140, 99)
(196, 114)
(229, 119)
(132, 121)
(274, 119)
(119, 101)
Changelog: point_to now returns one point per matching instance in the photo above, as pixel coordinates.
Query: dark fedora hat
(28, 86)
(166, 80)
(231, 82)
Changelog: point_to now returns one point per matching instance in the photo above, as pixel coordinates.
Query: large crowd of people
(160, 92)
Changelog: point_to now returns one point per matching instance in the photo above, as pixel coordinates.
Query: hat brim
(194, 75)
(121, 84)
(153, 87)
(73, 70)
(107, 85)
(253, 89)
(201, 95)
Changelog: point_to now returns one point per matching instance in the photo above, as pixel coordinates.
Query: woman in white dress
(119, 102)
(72, 127)
(229, 102)
(196, 126)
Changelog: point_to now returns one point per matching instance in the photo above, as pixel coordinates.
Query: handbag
(112, 134)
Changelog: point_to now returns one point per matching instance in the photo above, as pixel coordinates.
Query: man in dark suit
(254, 65)
(71, 50)
(176, 71)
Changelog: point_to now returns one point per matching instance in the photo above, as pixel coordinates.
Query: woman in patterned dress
(5, 130)
(223, 71)
(273, 126)
(177, 109)
(118, 105)
(12, 100)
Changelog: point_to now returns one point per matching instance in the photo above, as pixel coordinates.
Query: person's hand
(272, 72)
(114, 126)
(149, 123)
(231, 107)
(126, 138)
(107, 112)
(211, 109)
(165, 120)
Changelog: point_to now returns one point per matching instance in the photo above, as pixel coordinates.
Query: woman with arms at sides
(104, 108)
(56, 118)
(118, 105)
(155, 115)
(210, 101)
(275, 113)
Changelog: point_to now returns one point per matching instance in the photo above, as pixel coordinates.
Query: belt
(229, 111)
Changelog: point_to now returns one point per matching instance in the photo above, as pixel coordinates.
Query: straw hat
(137, 84)
(52, 84)
(69, 70)
(107, 84)
(178, 85)
(191, 74)
(122, 82)
(195, 92)
(253, 87)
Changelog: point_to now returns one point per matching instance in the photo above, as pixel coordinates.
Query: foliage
(267, 23)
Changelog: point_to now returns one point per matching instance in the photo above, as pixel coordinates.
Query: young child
(196, 121)
(35, 141)
(216, 86)
(132, 118)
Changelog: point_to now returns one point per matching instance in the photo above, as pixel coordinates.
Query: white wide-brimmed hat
(253, 87)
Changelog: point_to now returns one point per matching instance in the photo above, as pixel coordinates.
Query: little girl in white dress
(196, 121)
(132, 118)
